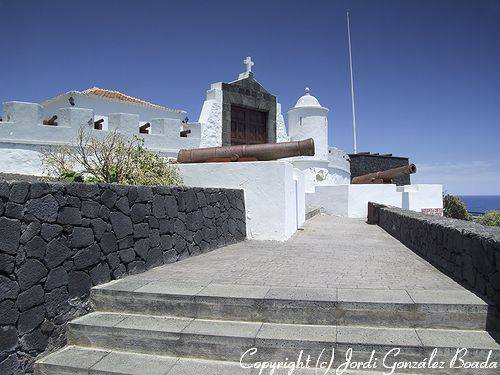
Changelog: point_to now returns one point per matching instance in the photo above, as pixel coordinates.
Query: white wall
(103, 107)
(352, 200)
(270, 193)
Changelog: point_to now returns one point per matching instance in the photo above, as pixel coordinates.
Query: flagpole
(352, 85)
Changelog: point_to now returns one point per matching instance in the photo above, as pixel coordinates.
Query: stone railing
(467, 252)
(57, 241)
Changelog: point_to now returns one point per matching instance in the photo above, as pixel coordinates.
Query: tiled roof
(115, 96)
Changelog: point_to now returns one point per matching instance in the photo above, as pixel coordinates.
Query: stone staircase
(153, 327)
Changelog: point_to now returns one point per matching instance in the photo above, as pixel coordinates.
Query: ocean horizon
(480, 204)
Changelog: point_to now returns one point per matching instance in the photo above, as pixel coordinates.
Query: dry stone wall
(59, 240)
(467, 252)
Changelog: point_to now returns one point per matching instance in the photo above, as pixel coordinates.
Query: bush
(113, 158)
(455, 207)
(491, 218)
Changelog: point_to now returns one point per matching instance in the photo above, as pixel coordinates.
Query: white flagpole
(352, 86)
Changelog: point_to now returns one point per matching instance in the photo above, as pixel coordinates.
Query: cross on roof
(249, 63)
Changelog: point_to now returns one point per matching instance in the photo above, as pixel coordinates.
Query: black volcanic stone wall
(467, 252)
(363, 164)
(59, 240)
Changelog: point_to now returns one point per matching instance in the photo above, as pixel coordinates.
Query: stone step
(79, 360)
(227, 340)
(440, 309)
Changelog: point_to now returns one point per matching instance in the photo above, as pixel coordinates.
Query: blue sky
(427, 72)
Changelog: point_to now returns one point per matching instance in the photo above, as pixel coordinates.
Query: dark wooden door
(248, 126)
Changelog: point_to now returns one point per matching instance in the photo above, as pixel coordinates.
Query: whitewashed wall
(270, 187)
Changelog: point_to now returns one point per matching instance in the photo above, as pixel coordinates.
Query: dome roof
(307, 100)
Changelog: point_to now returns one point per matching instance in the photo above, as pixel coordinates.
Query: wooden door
(248, 126)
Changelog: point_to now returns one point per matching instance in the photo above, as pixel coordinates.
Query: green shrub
(113, 158)
(455, 207)
(491, 218)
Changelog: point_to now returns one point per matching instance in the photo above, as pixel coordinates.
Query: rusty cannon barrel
(51, 121)
(266, 151)
(384, 177)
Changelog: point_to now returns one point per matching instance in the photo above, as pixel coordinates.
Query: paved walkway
(330, 252)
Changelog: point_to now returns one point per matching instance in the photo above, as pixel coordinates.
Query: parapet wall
(22, 123)
(57, 241)
(467, 252)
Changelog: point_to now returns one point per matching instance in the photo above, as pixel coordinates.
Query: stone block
(124, 122)
(57, 300)
(73, 117)
(50, 231)
(8, 313)
(10, 233)
(108, 243)
(79, 284)
(137, 266)
(8, 338)
(122, 224)
(8, 288)
(30, 113)
(57, 277)
(90, 209)
(34, 341)
(99, 226)
(81, 237)
(44, 208)
(7, 263)
(127, 255)
(69, 216)
(100, 274)
(30, 273)
(31, 297)
(123, 205)
(30, 319)
(87, 257)
(57, 252)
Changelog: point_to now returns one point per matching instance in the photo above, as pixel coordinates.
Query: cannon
(98, 124)
(51, 121)
(258, 152)
(384, 177)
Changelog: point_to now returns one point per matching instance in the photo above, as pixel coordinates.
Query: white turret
(308, 119)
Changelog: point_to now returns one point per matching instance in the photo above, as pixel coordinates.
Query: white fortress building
(278, 194)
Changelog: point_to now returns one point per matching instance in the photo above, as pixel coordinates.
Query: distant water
(481, 203)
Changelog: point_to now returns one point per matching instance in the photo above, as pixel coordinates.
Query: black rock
(123, 205)
(90, 209)
(108, 243)
(127, 255)
(31, 297)
(8, 288)
(30, 273)
(50, 231)
(8, 313)
(83, 190)
(8, 338)
(69, 215)
(10, 233)
(166, 242)
(79, 284)
(138, 212)
(31, 230)
(113, 260)
(126, 242)
(37, 189)
(170, 256)
(155, 258)
(122, 225)
(144, 194)
(82, 237)
(57, 301)
(141, 248)
(171, 206)
(73, 202)
(7, 263)
(19, 191)
(57, 252)
(36, 340)
(141, 230)
(10, 365)
(119, 272)
(30, 319)
(159, 207)
(87, 257)
(36, 248)
(108, 198)
(99, 226)
(100, 274)
(57, 277)
(44, 208)
(137, 266)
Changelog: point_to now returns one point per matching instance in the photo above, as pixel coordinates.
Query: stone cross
(249, 63)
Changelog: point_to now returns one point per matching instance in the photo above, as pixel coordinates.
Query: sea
(480, 204)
